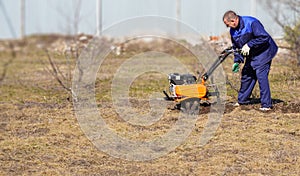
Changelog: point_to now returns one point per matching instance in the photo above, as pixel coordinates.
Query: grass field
(40, 134)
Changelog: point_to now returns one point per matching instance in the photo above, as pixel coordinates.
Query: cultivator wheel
(190, 106)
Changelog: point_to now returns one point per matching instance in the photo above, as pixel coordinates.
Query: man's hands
(245, 50)
(235, 67)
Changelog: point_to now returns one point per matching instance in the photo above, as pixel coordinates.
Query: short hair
(229, 15)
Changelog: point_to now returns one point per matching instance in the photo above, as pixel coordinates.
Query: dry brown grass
(40, 135)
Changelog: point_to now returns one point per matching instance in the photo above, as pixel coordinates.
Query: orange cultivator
(184, 87)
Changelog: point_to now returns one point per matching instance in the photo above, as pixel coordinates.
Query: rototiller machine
(185, 87)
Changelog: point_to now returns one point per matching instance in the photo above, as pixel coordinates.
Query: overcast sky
(57, 16)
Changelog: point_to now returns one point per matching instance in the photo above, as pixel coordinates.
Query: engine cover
(180, 79)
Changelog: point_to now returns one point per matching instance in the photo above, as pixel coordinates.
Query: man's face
(232, 23)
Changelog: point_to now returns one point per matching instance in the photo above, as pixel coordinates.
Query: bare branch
(56, 72)
(76, 19)
(286, 13)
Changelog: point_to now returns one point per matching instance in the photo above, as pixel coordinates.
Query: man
(257, 51)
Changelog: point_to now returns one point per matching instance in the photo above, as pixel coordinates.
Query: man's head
(231, 19)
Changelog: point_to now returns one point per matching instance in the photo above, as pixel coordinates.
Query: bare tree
(76, 17)
(63, 76)
(58, 74)
(286, 14)
(72, 20)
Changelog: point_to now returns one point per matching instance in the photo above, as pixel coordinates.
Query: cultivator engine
(185, 85)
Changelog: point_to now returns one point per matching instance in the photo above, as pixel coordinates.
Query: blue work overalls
(257, 65)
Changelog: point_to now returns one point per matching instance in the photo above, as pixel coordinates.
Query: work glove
(245, 50)
(235, 67)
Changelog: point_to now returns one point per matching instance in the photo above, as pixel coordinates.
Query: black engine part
(180, 79)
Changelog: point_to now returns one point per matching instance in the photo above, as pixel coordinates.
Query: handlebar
(226, 52)
(230, 50)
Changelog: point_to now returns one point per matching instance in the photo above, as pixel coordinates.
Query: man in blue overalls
(258, 49)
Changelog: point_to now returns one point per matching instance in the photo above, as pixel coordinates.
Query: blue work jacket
(251, 32)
